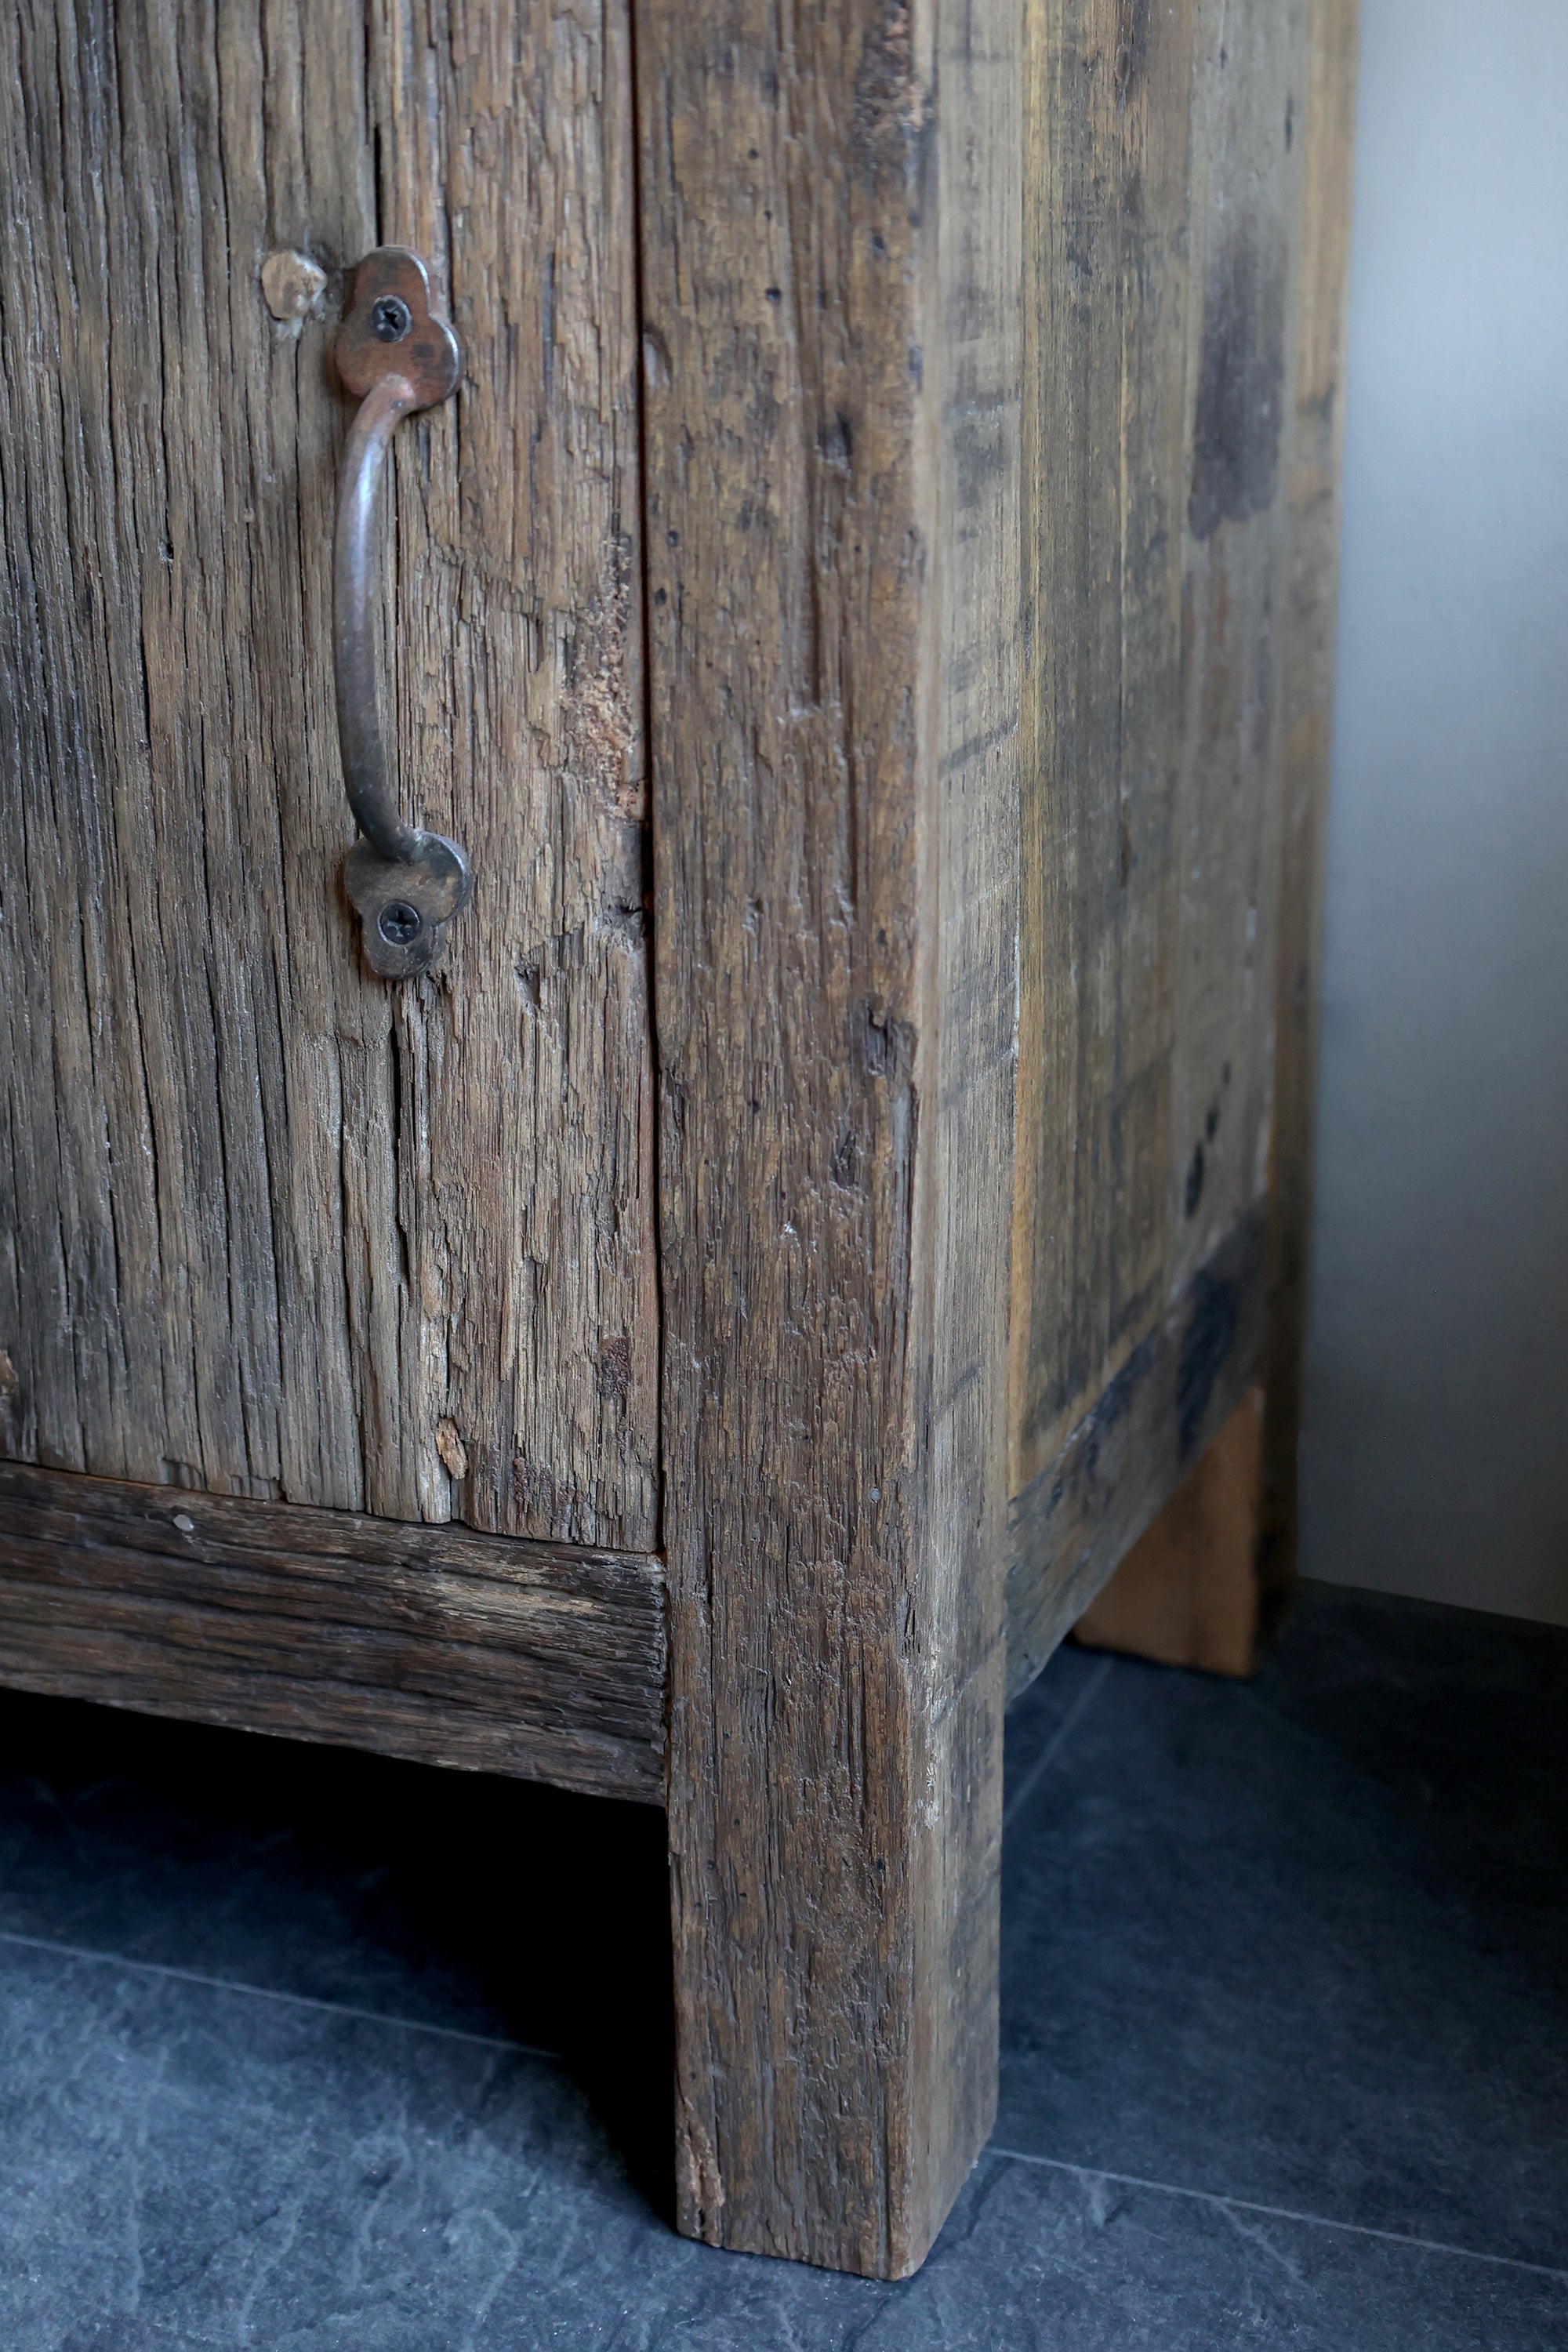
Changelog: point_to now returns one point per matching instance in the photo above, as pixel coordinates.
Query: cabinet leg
(835, 1903)
(1188, 1593)
(832, 287)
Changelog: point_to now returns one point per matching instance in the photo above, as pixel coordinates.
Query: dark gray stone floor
(308, 2050)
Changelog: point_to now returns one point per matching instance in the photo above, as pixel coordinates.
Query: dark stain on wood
(1132, 36)
(1186, 1593)
(1193, 1191)
(1206, 1343)
(889, 110)
(1241, 384)
(1127, 1454)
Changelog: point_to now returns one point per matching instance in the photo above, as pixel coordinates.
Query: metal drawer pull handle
(397, 355)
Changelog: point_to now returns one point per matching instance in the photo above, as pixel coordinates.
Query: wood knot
(292, 286)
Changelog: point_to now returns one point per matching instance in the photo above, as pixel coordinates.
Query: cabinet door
(273, 1226)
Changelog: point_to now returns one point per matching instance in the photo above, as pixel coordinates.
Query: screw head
(390, 318)
(399, 924)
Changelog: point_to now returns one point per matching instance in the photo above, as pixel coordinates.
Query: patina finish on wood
(831, 271)
(274, 1227)
(1210, 1581)
(537, 1659)
(1166, 592)
(1153, 1423)
(920, 421)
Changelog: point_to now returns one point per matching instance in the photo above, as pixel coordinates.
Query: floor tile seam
(1058, 1740)
(1262, 1703)
(1279, 2213)
(162, 1969)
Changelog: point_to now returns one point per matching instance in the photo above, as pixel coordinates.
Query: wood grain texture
(453, 1648)
(1317, 435)
(1186, 1593)
(1071, 1525)
(1162, 250)
(831, 215)
(1107, 323)
(1225, 850)
(273, 1227)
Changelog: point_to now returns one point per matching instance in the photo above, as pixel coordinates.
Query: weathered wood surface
(1162, 236)
(270, 1226)
(1317, 433)
(1178, 1389)
(831, 214)
(1107, 206)
(475, 1651)
(1187, 1592)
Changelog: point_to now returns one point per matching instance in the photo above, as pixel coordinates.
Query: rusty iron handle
(397, 355)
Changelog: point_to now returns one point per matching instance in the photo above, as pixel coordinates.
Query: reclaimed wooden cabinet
(866, 615)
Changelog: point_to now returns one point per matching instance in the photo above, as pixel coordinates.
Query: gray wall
(1435, 1444)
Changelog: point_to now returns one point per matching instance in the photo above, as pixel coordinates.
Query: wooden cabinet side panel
(273, 1227)
(1317, 437)
(1106, 322)
(1161, 249)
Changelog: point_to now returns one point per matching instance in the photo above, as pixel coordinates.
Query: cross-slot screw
(389, 319)
(399, 923)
